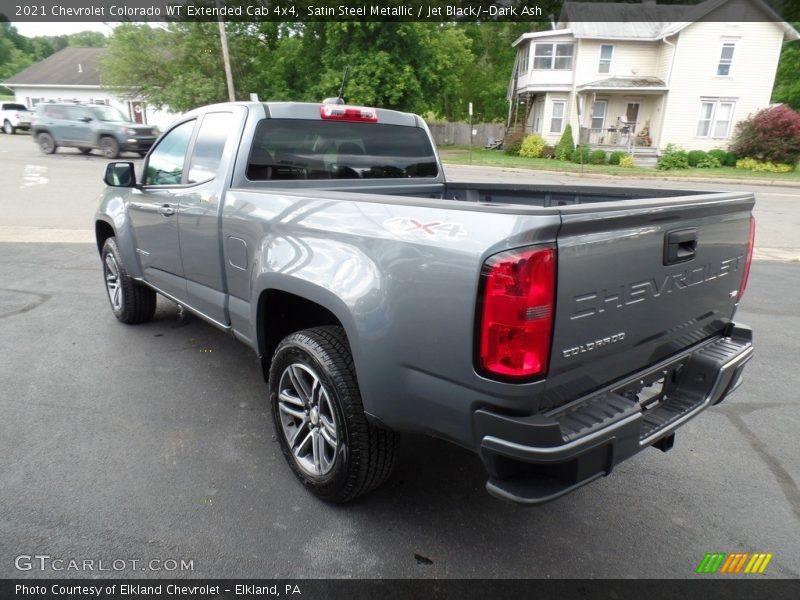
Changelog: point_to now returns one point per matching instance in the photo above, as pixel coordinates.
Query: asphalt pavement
(154, 442)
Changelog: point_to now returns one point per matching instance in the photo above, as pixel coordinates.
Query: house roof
(70, 66)
(625, 83)
(616, 20)
(699, 11)
(647, 21)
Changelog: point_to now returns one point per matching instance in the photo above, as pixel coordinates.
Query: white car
(14, 116)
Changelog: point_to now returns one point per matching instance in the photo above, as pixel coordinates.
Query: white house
(646, 75)
(72, 74)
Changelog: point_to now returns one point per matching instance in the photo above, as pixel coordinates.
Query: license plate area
(653, 389)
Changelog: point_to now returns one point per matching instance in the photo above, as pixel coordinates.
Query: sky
(61, 28)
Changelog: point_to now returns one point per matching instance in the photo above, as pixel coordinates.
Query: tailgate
(637, 284)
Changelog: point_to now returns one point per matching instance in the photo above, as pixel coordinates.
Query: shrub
(581, 155)
(771, 135)
(532, 146)
(695, 156)
(719, 154)
(674, 157)
(512, 144)
(598, 157)
(627, 161)
(751, 164)
(730, 159)
(709, 162)
(616, 156)
(548, 152)
(566, 145)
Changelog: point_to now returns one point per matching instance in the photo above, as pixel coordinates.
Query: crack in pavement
(787, 484)
(40, 299)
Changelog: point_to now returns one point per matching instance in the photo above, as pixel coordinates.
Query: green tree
(787, 83)
(87, 39)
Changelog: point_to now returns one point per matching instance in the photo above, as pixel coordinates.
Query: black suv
(89, 126)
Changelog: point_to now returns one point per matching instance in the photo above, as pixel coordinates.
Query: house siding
(755, 61)
(628, 60)
(26, 95)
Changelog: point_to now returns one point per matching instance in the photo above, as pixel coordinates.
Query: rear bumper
(536, 459)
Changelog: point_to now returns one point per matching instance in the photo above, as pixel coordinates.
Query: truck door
(198, 217)
(154, 211)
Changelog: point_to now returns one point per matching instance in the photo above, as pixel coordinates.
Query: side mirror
(86, 119)
(120, 174)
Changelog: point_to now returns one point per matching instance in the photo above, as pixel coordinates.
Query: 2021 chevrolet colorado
(556, 331)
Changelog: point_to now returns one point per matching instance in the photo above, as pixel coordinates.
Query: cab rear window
(287, 149)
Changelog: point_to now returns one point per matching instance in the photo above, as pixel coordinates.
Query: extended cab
(554, 330)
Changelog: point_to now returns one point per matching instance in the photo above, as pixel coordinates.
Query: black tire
(109, 147)
(365, 454)
(46, 143)
(131, 302)
(9, 128)
(85, 150)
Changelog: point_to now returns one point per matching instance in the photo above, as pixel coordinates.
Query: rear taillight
(341, 112)
(516, 313)
(749, 258)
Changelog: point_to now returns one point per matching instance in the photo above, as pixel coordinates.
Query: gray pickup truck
(556, 331)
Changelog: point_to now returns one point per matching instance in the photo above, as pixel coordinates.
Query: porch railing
(620, 137)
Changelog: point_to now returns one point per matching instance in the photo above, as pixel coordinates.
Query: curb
(639, 176)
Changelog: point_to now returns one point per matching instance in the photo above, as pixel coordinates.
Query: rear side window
(56, 111)
(166, 162)
(310, 149)
(209, 145)
(14, 107)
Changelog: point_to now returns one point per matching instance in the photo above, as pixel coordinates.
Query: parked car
(87, 127)
(554, 330)
(14, 116)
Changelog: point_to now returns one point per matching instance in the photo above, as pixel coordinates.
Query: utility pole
(223, 38)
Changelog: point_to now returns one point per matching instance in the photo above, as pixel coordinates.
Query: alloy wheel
(113, 284)
(307, 419)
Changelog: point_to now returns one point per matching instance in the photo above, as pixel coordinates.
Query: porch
(621, 114)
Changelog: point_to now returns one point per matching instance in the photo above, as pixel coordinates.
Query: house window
(524, 54)
(557, 118)
(553, 56)
(599, 114)
(726, 59)
(715, 118)
(606, 52)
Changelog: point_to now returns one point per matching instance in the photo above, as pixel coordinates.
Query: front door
(632, 115)
(154, 212)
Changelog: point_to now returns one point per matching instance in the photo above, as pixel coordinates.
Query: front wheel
(9, 128)
(319, 419)
(131, 301)
(109, 147)
(46, 143)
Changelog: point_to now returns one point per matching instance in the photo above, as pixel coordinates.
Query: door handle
(680, 245)
(166, 210)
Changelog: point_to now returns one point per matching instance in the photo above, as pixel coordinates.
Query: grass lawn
(494, 158)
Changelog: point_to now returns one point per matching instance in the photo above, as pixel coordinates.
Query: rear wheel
(109, 147)
(46, 143)
(131, 301)
(319, 419)
(9, 128)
